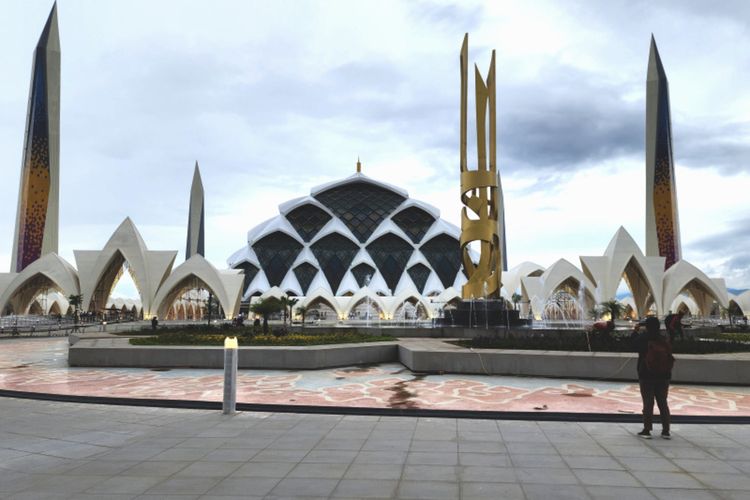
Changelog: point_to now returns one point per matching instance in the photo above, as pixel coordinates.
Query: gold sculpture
(479, 189)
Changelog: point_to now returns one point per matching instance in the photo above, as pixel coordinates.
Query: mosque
(355, 248)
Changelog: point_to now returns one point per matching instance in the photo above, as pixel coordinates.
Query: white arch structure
(226, 286)
(100, 269)
(683, 277)
(49, 272)
(624, 259)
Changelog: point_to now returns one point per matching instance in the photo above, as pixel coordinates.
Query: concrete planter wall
(119, 354)
(707, 368)
(419, 356)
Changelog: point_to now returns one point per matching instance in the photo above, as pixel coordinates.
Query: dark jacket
(641, 346)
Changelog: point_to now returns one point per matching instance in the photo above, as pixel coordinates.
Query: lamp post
(230, 376)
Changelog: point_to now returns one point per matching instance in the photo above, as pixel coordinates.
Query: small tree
(265, 308)
(613, 307)
(287, 303)
(302, 311)
(75, 301)
(516, 298)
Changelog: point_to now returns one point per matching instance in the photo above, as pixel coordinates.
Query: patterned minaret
(195, 233)
(38, 197)
(662, 216)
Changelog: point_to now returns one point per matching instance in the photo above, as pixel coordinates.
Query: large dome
(348, 234)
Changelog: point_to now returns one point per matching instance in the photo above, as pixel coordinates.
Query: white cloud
(273, 98)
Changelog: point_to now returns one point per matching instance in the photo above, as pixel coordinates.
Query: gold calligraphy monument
(481, 216)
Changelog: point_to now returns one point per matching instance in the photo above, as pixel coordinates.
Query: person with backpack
(655, 362)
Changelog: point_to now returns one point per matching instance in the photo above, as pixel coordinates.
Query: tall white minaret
(196, 218)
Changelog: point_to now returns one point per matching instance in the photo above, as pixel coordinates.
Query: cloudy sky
(273, 98)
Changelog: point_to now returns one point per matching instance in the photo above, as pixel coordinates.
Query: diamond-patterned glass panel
(334, 253)
(361, 206)
(305, 273)
(250, 272)
(361, 271)
(444, 255)
(390, 254)
(419, 274)
(276, 253)
(414, 222)
(307, 220)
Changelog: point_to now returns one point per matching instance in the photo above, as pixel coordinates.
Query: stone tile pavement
(51, 450)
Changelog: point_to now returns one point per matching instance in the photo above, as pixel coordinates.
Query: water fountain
(367, 314)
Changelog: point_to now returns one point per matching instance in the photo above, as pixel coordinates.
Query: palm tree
(75, 301)
(286, 304)
(516, 298)
(613, 307)
(302, 311)
(265, 308)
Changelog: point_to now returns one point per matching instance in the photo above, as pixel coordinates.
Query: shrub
(291, 339)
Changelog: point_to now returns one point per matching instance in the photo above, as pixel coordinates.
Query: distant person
(154, 322)
(655, 362)
(605, 328)
(675, 327)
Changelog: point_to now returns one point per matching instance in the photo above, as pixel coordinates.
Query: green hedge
(597, 343)
(731, 336)
(209, 338)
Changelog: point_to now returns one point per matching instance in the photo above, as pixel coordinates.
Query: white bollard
(230, 376)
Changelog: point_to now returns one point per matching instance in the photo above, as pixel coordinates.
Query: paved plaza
(40, 366)
(53, 450)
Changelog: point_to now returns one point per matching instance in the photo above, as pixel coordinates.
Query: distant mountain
(623, 295)
(736, 291)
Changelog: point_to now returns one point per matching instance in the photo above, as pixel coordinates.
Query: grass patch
(598, 344)
(292, 339)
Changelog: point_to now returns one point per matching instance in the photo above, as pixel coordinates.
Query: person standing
(655, 362)
(675, 327)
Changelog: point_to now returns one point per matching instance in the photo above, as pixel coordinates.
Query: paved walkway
(40, 365)
(52, 450)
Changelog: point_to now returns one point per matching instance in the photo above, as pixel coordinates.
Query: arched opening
(562, 306)
(55, 310)
(704, 298)
(634, 281)
(683, 309)
(629, 312)
(411, 310)
(35, 309)
(116, 280)
(191, 295)
(35, 289)
(320, 309)
(578, 300)
(366, 309)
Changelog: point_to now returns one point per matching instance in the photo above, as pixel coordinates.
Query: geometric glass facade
(444, 255)
(334, 253)
(344, 232)
(414, 222)
(276, 253)
(390, 254)
(361, 206)
(419, 274)
(307, 220)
